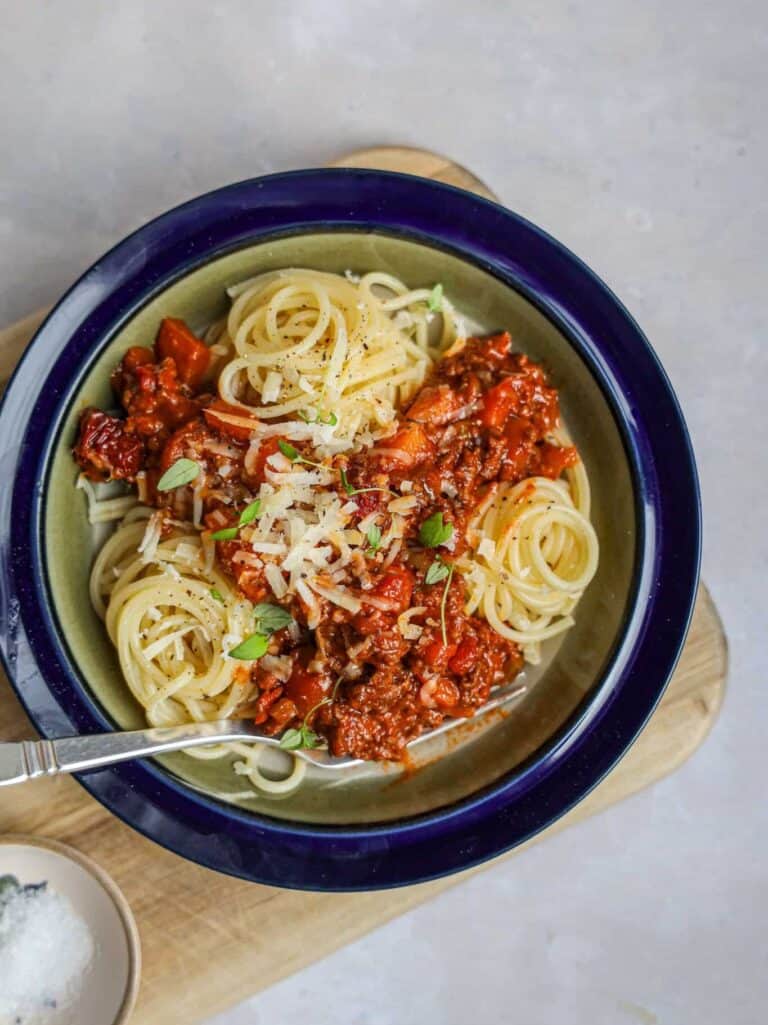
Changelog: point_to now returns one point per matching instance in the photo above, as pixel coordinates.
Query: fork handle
(30, 758)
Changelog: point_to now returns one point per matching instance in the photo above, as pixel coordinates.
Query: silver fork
(28, 759)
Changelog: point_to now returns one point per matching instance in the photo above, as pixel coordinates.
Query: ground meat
(485, 416)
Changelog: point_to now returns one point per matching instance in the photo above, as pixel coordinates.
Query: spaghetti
(308, 342)
(369, 524)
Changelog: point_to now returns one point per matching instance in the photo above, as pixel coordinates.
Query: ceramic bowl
(110, 981)
(493, 783)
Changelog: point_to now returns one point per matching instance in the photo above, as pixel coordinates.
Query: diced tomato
(500, 401)
(553, 459)
(413, 442)
(497, 346)
(179, 444)
(191, 356)
(438, 654)
(281, 714)
(306, 689)
(266, 699)
(435, 405)
(396, 585)
(230, 420)
(466, 656)
(250, 581)
(137, 356)
(517, 434)
(269, 448)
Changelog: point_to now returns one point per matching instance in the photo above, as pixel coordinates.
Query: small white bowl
(112, 981)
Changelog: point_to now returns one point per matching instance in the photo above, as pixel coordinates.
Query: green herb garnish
(435, 302)
(437, 571)
(270, 618)
(305, 736)
(374, 539)
(328, 421)
(217, 595)
(288, 450)
(251, 648)
(294, 739)
(443, 600)
(225, 534)
(292, 453)
(433, 532)
(249, 514)
(351, 490)
(182, 472)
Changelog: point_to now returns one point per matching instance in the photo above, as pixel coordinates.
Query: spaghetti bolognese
(347, 520)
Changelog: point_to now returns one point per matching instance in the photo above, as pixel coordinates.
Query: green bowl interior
(475, 754)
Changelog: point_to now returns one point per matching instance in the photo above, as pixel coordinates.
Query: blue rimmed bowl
(497, 785)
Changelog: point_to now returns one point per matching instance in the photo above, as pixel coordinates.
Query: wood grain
(421, 162)
(244, 936)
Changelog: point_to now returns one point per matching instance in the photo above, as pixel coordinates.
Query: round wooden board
(172, 897)
(422, 162)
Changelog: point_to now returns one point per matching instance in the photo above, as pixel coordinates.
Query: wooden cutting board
(244, 936)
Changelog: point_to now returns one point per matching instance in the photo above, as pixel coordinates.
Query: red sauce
(482, 417)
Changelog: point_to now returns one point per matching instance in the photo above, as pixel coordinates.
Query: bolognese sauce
(404, 654)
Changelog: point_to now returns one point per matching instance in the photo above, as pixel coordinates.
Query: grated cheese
(410, 631)
(275, 580)
(187, 552)
(403, 504)
(197, 505)
(151, 539)
(279, 665)
(269, 547)
(272, 386)
(486, 549)
(220, 449)
(338, 595)
(170, 571)
(247, 559)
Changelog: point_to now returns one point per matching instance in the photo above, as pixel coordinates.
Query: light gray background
(633, 131)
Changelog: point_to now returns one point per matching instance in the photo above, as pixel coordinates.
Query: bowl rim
(559, 285)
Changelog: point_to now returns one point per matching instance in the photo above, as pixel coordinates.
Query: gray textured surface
(636, 134)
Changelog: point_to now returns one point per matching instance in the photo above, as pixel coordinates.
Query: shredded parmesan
(151, 539)
(385, 604)
(273, 383)
(486, 549)
(275, 580)
(220, 449)
(279, 665)
(247, 559)
(170, 571)
(338, 595)
(197, 506)
(187, 552)
(410, 631)
(269, 547)
(403, 505)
